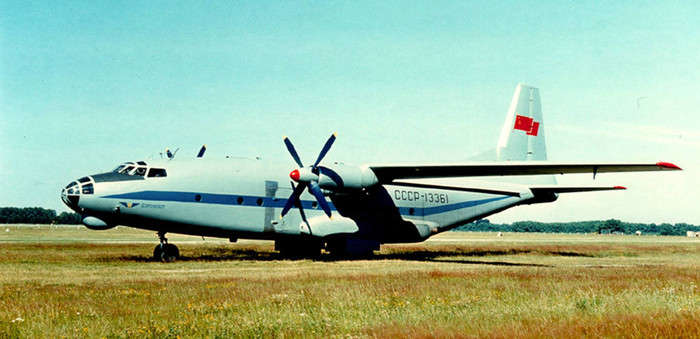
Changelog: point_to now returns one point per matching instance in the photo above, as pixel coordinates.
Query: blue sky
(87, 85)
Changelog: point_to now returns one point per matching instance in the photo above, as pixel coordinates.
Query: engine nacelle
(96, 224)
(341, 176)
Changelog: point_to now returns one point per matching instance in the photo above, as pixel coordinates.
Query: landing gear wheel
(166, 252)
(157, 252)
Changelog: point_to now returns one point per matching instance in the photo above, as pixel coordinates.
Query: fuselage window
(141, 171)
(88, 189)
(156, 173)
(73, 189)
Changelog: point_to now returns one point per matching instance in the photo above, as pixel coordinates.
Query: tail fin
(522, 136)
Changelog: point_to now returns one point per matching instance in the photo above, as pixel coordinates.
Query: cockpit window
(127, 170)
(73, 190)
(138, 169)
(88, 189)
(156, 173)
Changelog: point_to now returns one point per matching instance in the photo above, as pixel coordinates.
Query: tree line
(611, 226)
(37, 215)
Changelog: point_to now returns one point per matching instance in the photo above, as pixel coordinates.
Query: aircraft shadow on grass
(455, 257)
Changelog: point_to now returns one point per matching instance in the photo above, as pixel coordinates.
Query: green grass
(72, 282)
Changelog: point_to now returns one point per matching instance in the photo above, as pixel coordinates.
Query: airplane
(341, 208)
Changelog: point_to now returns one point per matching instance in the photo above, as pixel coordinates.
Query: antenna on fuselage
(171, 155)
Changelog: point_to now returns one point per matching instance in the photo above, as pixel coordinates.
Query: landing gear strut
(165, 252)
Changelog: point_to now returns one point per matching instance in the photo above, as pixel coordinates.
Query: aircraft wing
(389, 173)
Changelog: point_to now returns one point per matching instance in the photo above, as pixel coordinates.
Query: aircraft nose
(71, 193)
(70, 198)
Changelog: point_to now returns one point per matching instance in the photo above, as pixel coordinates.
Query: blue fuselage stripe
(258, 201)
(448, 208)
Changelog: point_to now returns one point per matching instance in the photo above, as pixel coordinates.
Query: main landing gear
(165, 252)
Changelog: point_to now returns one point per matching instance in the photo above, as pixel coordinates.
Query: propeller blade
(316, 191)
(293, 199)
(333, 175)
(172, 155)
(292, 151)
(201, 151)
(325, 149)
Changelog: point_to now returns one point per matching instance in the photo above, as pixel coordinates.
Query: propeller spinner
(307, 177)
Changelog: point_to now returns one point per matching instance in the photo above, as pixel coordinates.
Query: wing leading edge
(389, 173)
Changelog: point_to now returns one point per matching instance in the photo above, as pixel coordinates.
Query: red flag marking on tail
(526, 124)
(522, 123)
(534, 128)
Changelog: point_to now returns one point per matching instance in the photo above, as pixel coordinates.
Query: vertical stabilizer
(522, 136)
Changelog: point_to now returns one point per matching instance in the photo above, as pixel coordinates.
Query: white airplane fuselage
(343, 208)
(242, 198)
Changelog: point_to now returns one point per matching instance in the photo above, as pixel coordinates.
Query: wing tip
(620, 187)
(668, 165)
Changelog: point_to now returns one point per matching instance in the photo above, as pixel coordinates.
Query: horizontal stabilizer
(563, 189)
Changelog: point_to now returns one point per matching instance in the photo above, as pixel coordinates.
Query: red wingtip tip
(620, 187)
(294, 175)
(668, 165)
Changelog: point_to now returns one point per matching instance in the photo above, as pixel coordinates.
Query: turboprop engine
(338, 177)
(315, 177)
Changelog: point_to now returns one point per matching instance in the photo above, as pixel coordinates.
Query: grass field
(72, 282)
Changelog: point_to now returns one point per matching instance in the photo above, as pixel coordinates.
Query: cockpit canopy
(126, 171)
(140, 169)
(82, 185)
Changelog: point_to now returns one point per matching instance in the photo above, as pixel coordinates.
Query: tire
(157, 253)
(166, 253)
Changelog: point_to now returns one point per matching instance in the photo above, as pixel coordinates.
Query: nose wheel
(165, 252)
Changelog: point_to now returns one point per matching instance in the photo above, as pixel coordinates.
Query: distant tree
(36, 215)
(66, 218)
(668, 229)
(610, 226)
(27, 215)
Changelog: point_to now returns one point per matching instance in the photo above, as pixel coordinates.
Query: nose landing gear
(165, 252)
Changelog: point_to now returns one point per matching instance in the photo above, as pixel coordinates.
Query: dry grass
(75, 283)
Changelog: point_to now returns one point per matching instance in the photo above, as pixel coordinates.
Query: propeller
(171, 155)
(201, 151)
(307, 177)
